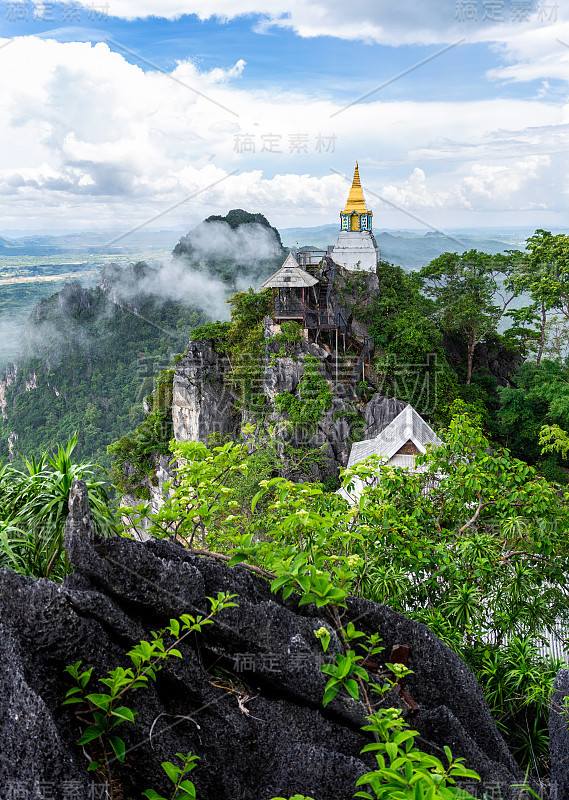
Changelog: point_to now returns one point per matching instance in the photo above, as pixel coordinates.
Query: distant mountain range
(107, 242)
(413, 249)
(408, 248)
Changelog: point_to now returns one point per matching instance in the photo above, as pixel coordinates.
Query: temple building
(399, 443)
(356, 247)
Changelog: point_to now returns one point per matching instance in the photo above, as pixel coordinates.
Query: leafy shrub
(216, 331)
(313, 397)
(35, 507)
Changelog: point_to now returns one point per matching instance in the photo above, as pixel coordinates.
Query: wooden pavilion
(294, 294)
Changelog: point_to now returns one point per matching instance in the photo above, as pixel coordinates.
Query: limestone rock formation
(246, 697)
(202, 403)
(9, 378)
(127, 285)
(379, 413)
(80, 517)
(238, 244)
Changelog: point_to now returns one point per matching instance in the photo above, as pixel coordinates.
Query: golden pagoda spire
(356, 200)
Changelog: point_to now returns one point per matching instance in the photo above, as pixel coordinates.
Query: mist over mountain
(239, 248)
(88, 355)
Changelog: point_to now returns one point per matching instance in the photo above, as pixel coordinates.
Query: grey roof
(407, 426)
(290, 276)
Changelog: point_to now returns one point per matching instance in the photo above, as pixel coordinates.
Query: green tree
(543, 272)
(400, 317)
(467, 291)
(540, 397)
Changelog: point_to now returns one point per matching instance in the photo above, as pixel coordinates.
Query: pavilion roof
(290, 276)
(407, 426)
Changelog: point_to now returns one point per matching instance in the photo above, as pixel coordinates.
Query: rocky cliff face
(205, 404)
(202, 402)
(27, 384)
(260, 730)
(500, 362)
(9, 379)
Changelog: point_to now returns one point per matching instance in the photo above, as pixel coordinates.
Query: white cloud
(87, 138)
(404, 22)
(537, 53)
(415, 194)
(500, 185)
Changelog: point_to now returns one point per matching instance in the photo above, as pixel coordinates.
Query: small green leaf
(124, 713)
(90, 733)
(189, 788)
(100, 700)
(119, 747)
(171, 771)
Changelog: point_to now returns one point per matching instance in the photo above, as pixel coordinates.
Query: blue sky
(96, 133)
(324, 65)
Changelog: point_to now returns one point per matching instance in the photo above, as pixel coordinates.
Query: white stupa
(356, 247)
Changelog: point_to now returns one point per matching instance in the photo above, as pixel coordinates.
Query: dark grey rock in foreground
(246, 697)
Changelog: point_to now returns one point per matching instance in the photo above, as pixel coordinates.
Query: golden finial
(356, 200)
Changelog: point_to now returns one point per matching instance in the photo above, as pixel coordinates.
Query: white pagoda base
(356, 250)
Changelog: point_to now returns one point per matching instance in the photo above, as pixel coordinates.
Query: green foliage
(246, 346)
(540, 397)
(485, 538)
(544, 271)
(523, 334)
(192, 509)
(553, 439)
(517, 682)
(313, 397)
(409, 334)
(404, 772)
(35, 508)
(401, 318)
(295, 797)
(183, 789)
(465, 289)
(215, 331)
(91, 369)
(134, 454)
(289, 338)
(107, 711)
